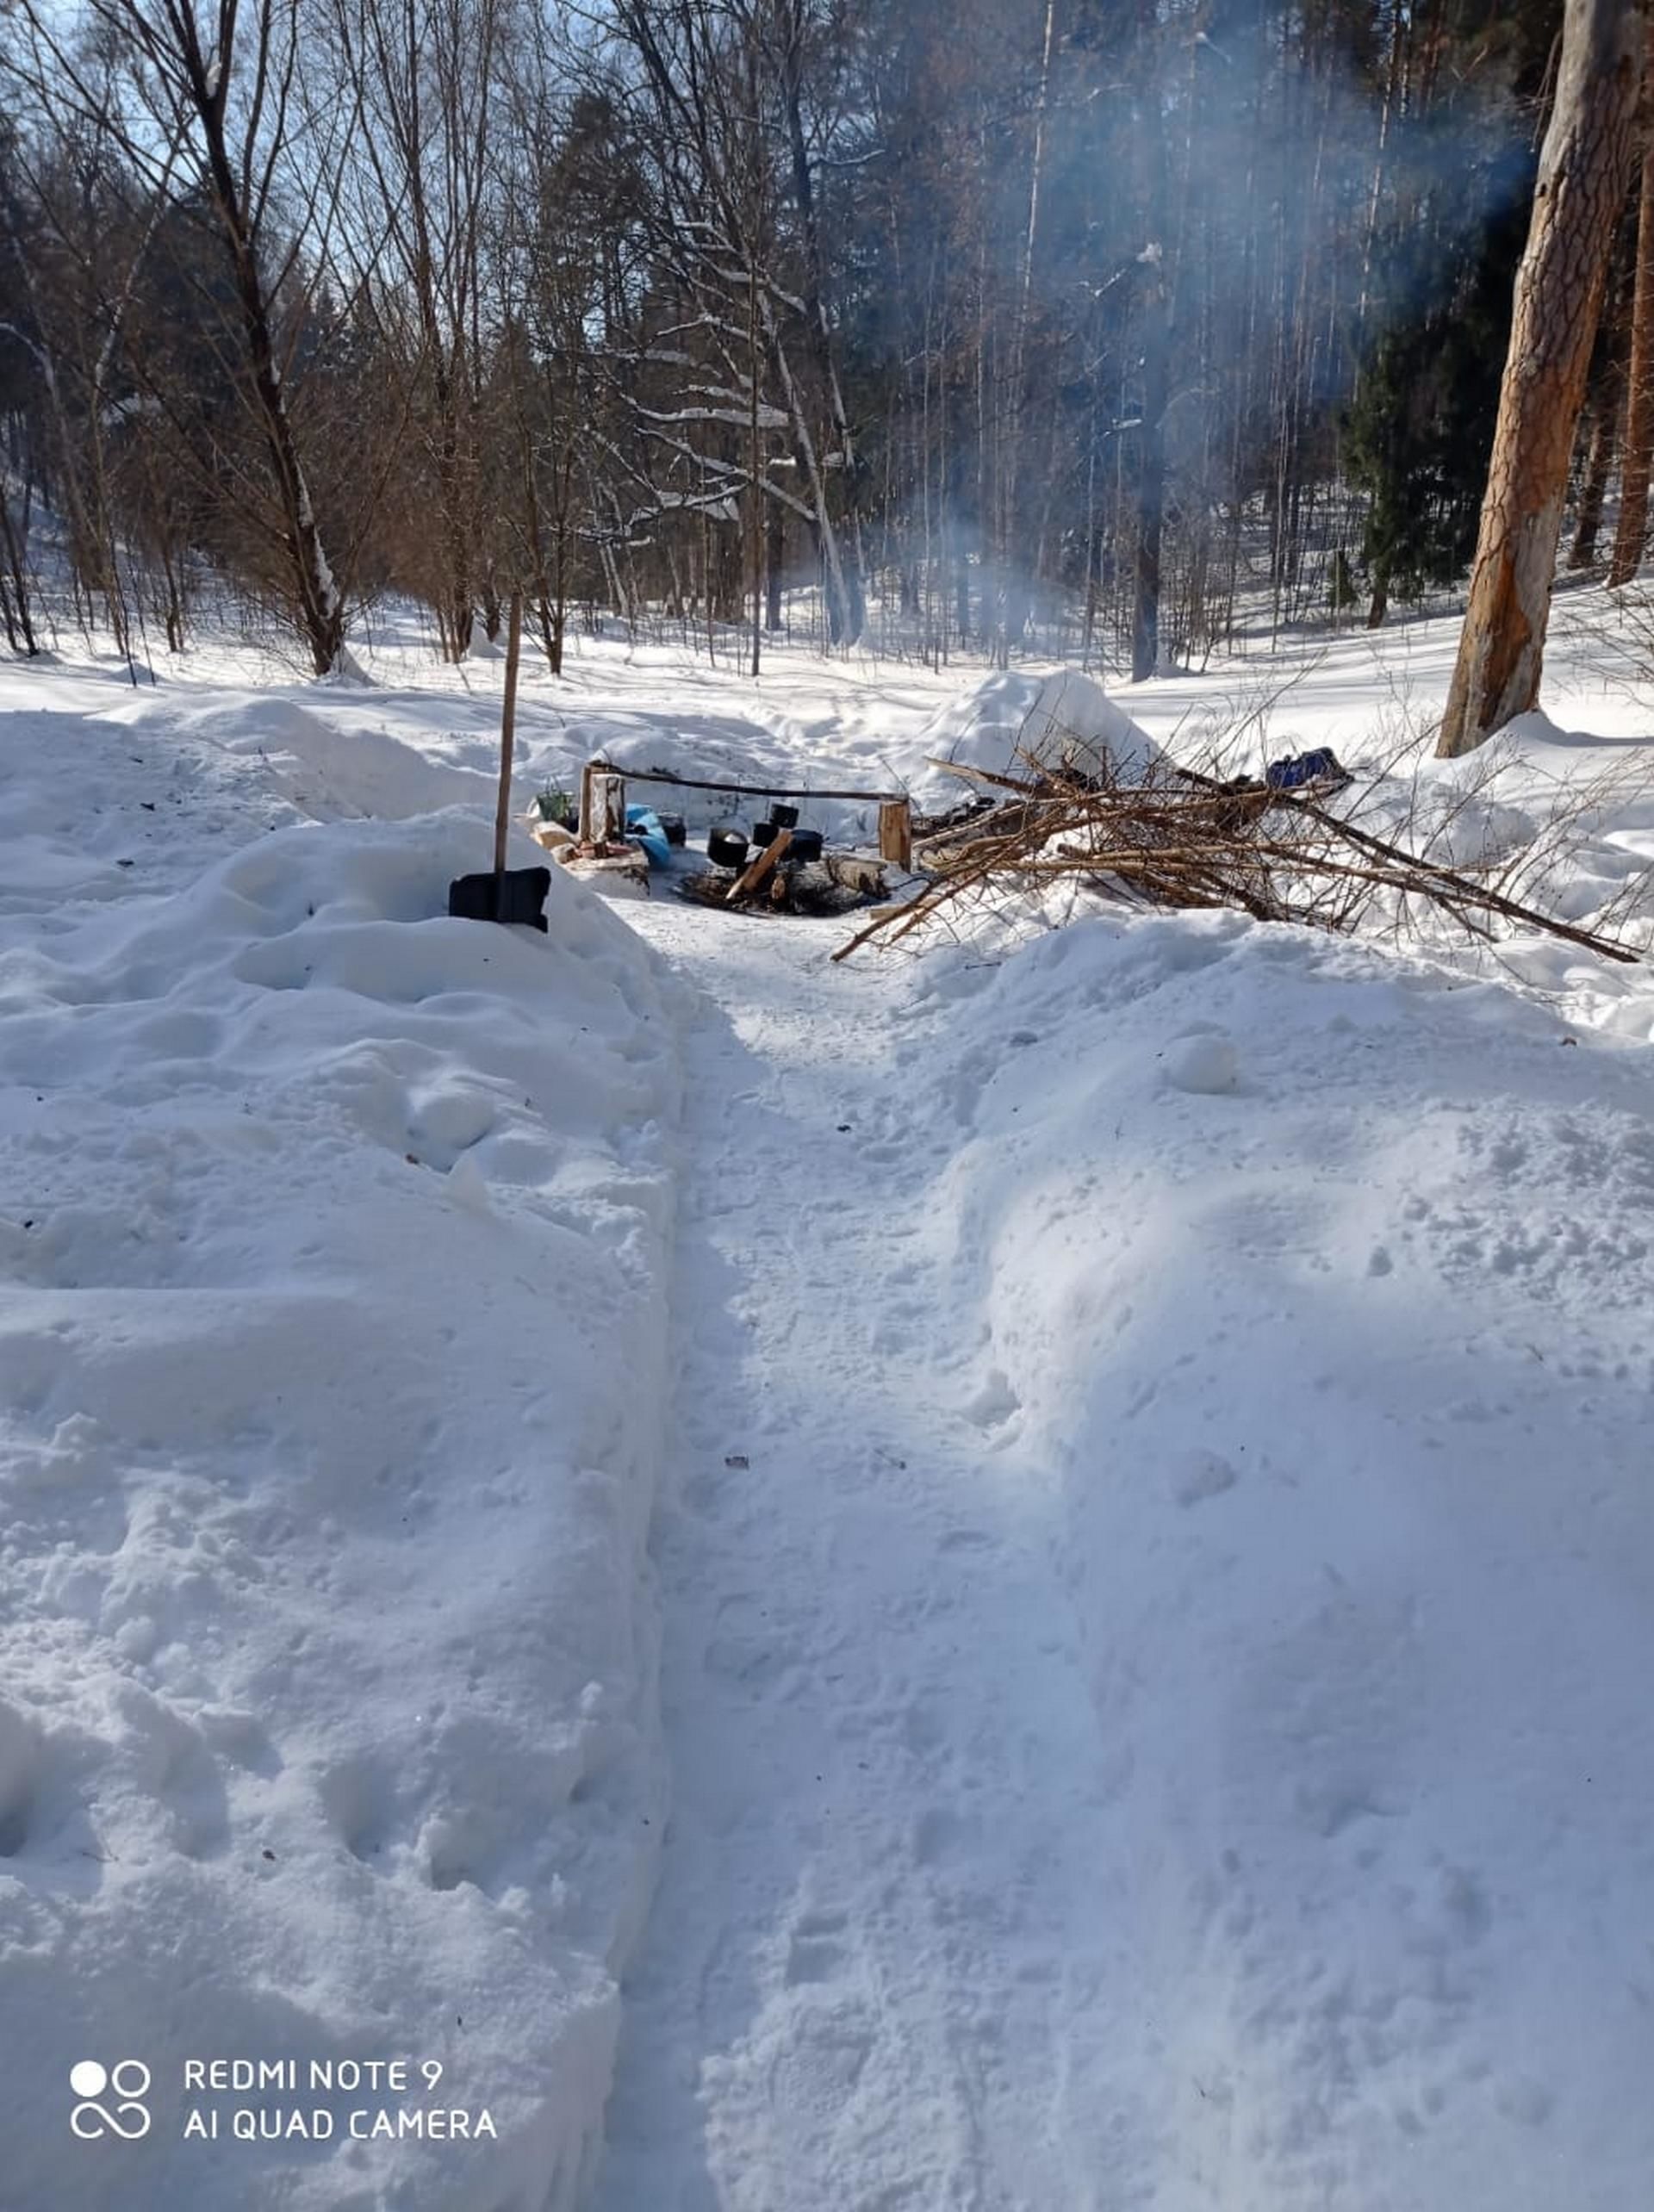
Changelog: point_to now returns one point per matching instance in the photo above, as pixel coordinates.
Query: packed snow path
(879, 1885)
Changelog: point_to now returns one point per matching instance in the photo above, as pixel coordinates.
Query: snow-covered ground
(332, 1352)
(1077, 1501)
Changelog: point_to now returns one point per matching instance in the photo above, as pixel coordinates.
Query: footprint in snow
(1193, 1475)
(1203, 1064)
(994, 1403)
(814, 1953)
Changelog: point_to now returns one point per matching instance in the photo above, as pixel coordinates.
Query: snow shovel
(509, 894)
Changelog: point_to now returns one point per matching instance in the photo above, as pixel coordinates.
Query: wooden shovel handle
(507, 732)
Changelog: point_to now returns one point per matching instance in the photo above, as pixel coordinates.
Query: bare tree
(426, 75)
(726, 277)
(215, 113)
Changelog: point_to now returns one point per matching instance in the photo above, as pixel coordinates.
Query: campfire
(784, 867)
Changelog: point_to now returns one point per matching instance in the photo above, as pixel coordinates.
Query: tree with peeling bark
(1583, 168)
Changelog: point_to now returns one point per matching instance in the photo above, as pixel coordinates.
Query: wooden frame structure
(603, 805)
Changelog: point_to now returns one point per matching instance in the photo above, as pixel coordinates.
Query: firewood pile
(1177, 838)
(834, 884)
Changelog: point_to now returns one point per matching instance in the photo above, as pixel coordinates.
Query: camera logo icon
(109, 2100)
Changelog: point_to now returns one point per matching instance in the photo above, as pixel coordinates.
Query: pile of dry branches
(1179, 838)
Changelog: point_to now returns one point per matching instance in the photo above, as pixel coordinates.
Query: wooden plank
(759, 869)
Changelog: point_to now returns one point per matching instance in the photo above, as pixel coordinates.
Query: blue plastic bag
(643, 828)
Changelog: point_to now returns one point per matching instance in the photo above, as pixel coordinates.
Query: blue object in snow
(643, 828)
(1321, 766)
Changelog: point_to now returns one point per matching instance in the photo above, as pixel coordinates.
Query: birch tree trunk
(1151, 476)
(843, 548)
(1583, 167)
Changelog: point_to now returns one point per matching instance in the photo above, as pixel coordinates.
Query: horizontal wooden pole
(748, 790)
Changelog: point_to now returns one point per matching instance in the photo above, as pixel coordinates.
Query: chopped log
(617, 875)
(896, 833)
(865, 878)
(602, 806)
(752, 876)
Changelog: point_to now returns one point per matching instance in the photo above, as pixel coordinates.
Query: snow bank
(1312, 1291)
(1560, 820)
(1006, 722)
(333, 763)
(332, 1358)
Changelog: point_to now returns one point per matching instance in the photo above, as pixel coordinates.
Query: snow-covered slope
(1313, 1290)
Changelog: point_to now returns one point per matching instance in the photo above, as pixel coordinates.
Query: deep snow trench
(876, 1879)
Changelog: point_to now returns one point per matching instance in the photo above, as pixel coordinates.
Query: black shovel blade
(513, 895)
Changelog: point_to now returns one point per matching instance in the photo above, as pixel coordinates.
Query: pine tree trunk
(1582, 172)
(1632, 534)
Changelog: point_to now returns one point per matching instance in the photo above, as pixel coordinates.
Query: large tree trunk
(1632, 534)
(1582, 172)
